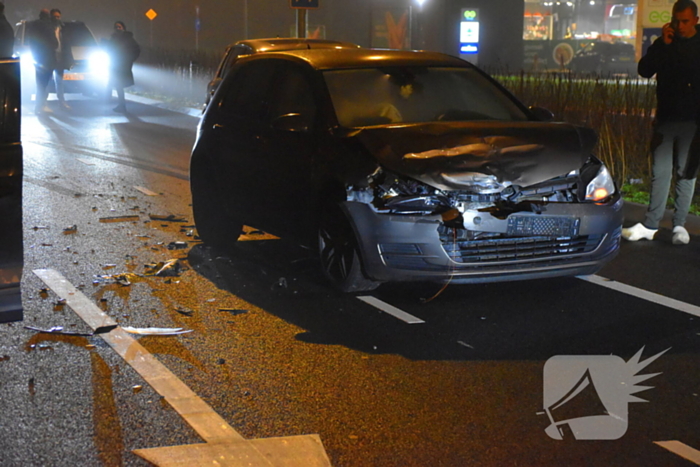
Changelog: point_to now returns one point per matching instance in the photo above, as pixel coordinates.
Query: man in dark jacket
(43, 44)
(64, 57)
(123, 52)
(7, 35)
(675, 59)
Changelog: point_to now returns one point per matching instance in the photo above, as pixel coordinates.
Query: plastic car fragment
(156, 331)
(169, 268)
(168, 218)
(119, 219)
(121, 279)
(59, 330)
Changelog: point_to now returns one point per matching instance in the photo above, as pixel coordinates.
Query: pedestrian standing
(7, 35)
(43, 44)
(675, 60)
(123, 52)
(64, 57)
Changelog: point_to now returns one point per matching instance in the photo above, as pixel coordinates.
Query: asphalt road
(276, 353)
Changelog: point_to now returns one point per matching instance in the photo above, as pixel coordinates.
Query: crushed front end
(487, 230)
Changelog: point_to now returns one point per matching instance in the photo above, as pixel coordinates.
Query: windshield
(78, 35)
(381, 96)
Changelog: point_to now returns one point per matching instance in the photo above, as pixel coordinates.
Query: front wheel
(340, 256)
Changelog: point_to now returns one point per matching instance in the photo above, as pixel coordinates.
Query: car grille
(518, 248)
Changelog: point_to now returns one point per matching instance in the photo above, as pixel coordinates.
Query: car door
(232, 136)
(290, 146)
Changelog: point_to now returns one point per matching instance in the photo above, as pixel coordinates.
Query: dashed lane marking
(222, 441)
(643, 294)
(390, 309)
(683, 450)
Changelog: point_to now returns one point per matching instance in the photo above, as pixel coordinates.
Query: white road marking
(390, 309)
(221, 438)
(643, 294)
(85, 161)
(683, 450)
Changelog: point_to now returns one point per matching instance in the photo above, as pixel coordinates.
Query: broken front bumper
(567, 239)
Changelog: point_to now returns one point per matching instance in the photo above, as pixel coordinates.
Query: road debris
(156, 331)
(169, 268)
(137, 388)
(70, 229)
(146, 191)
(464, 344)
(185, 312)
(177, 245)
(233, 311)
(59, 330)
(123, 279)
(119, 219)
(168, 218)
(40, 227)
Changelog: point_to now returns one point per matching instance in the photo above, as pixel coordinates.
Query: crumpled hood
(453, 155)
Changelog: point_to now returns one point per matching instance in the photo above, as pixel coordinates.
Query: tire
(215, 225)
(339, 254)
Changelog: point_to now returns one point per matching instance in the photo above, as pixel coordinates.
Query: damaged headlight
(390, 193)
(601, 187)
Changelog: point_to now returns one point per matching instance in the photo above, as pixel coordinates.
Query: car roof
(290, 43)
(324, 59)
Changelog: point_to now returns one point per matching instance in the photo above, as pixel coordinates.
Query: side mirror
(541, 114)
(291, 122)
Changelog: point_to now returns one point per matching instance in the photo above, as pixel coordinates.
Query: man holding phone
(675, 60)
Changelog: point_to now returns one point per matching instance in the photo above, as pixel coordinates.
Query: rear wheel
(340, 256)
(215, 225)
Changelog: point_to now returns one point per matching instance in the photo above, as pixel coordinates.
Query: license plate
(73, 76)
(543, 226)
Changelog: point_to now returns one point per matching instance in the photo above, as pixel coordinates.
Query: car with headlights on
(400, 166)
(253, 46)
(90, 70)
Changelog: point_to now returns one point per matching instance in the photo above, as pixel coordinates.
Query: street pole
(301, 22)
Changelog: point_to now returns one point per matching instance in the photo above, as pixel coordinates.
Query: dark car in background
(400, 166)
(11, 241)
(605, 58)
(90, 70)
(253, 46)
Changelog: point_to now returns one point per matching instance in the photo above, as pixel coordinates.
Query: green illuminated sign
(470, 15)
(656, 16)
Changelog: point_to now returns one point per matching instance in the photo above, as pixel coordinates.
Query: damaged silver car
(400, 166)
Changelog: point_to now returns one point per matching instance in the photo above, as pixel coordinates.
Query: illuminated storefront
(553, 30)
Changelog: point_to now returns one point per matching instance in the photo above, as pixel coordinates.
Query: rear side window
(231, 58)
(246, 92)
